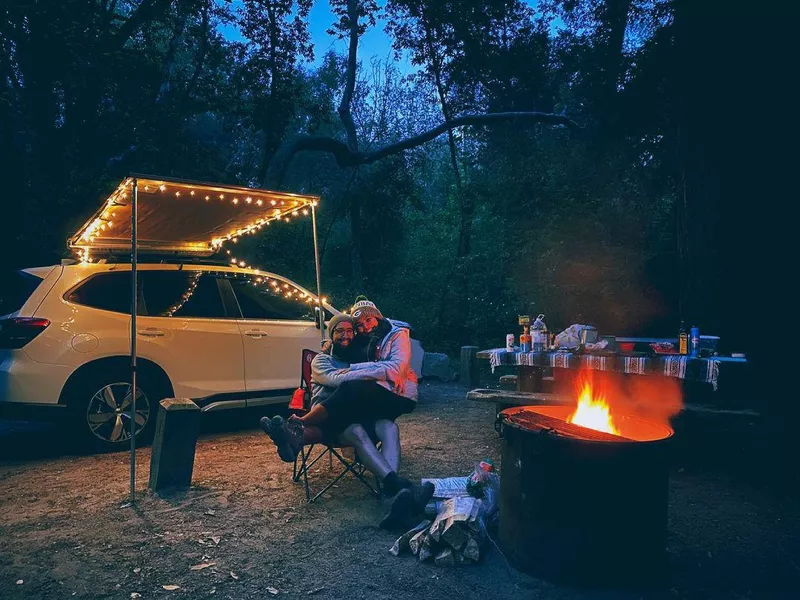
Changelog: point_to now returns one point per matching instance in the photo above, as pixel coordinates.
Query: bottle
(525, 340)
(683, 340)
(694, 341)
(539, 335)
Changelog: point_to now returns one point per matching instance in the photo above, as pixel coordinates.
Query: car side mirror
(318, 316)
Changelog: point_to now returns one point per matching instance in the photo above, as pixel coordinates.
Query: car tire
(99, 420)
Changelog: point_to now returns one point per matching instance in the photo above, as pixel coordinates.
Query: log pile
(453, 538)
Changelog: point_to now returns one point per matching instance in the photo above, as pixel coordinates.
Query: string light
(186, 295)
(275, 285)
(100, 225)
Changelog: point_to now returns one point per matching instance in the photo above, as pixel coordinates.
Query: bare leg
(356, 436)
(389, 434)
(316, 416)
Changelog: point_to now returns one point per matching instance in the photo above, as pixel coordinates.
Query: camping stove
(583, 506)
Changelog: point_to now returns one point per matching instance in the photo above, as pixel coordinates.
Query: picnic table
(532, 388)
(669, 365)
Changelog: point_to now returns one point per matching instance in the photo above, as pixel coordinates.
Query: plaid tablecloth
(680, 366)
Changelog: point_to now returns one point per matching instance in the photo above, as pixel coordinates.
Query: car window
(107, 291)
(261, 299)
(15, 289)
(187, 294)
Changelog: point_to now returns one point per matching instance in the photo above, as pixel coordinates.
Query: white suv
(227, 337)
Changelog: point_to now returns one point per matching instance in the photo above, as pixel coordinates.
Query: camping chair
(300, 404)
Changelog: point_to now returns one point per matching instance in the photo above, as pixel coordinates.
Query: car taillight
(18, 331)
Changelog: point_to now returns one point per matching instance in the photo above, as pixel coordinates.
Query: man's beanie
(365, 308)
(337, 319)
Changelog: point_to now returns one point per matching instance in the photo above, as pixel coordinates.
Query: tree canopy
(548, 157)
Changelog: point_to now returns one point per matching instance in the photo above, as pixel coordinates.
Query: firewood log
(454, 534)
(425, 553)
(415, 543)
(445, 558)
(402, 543)
(472, 549)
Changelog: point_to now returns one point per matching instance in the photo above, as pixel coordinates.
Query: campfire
(592, 412)
(583, 488)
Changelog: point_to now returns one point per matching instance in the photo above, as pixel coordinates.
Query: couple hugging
(360, 383)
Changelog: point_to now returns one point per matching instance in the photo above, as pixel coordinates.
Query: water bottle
(539, 334)
(694, 342)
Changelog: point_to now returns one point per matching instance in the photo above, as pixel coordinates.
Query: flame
(592, 412)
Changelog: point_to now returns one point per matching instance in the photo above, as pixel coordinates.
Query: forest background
(604, 193)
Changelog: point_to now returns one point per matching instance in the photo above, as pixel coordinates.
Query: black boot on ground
(400, 509)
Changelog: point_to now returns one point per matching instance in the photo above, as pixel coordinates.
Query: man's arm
(325, 372)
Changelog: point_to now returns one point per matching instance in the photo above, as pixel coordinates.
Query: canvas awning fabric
(183, 217)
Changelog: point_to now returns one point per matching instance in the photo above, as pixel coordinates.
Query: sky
(373, 43)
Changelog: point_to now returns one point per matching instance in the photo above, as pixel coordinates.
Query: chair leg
(355, 467)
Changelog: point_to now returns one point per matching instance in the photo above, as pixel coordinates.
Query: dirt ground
(64, 534)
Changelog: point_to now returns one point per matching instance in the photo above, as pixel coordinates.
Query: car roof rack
(162, 258)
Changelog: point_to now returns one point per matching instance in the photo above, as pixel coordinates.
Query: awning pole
(134, 310)
(319, 285)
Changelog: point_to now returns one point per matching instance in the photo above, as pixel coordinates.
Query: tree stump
(469, 366)
(172, 455)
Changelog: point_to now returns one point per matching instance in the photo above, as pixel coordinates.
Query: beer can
(510, 342)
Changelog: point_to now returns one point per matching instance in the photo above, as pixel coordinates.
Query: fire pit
(583, 497)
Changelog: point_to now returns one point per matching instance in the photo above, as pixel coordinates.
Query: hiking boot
(421, 495)
(287, 435)
(399, 511)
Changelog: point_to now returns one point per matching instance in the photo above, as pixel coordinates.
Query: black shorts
(362, 402)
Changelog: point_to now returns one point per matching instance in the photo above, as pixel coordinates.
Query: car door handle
(255, 334)
(151, 332)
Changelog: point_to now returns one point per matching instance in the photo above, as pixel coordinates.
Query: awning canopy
(183, 217)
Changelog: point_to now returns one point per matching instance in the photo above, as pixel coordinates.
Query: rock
(417, 357)
(435, 364)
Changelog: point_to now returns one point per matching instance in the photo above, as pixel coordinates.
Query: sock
(393, 483)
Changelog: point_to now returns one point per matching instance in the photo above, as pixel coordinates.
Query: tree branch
(350, 79)
(147, 11)
(348, 158)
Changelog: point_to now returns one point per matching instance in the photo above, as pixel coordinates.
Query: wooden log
(445, 558)
(425, 553)
(454, 534)
(415, 543)
(469, 366)
(402, 543)
(472, 550)
(172, 454)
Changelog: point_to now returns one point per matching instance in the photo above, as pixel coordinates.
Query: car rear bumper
(29, 388)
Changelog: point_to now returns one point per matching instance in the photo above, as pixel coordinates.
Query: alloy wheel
(108, 414)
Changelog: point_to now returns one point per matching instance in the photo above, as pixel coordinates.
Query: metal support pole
(319, 285)
(134, 310)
